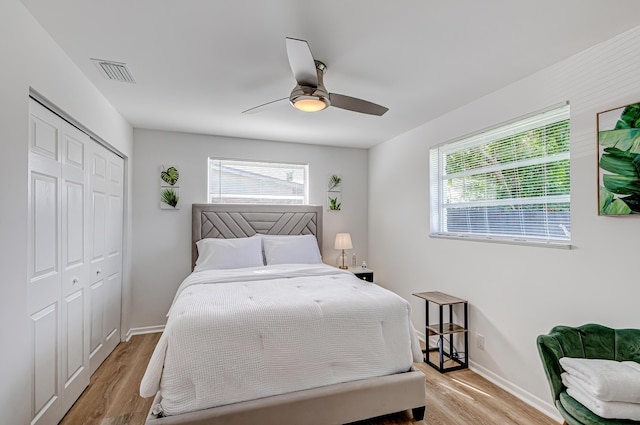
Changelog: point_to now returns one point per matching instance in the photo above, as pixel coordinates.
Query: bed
(290, 342)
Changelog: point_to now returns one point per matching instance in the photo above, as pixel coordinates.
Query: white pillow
(228, 253)
(298, 249)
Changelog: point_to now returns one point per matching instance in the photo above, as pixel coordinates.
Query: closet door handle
(75, 280)
(98, 271)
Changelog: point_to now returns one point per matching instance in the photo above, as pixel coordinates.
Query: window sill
(493, 239)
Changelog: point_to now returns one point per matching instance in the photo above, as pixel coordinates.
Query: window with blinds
(507, 184)
(250, 182)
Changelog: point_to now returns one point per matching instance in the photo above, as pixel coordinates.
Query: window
(507, 184)
(249, 182)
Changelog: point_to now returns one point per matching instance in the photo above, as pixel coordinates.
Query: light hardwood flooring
(455, 398)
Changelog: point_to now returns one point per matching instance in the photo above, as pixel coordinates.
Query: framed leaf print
(169, 175)
(169, 197)
(334, 192)
(169, 191)
(619, 161)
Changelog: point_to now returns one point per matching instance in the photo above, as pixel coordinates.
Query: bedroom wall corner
(162, 238)
(515, 292)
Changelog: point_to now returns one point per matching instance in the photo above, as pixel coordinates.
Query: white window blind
(250, 182)
(507, 184)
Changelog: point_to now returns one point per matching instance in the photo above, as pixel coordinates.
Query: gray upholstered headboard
(242, 220)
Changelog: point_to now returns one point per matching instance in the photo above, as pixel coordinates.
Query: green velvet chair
(589, 341)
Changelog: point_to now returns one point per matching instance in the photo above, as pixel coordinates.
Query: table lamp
(343, 241)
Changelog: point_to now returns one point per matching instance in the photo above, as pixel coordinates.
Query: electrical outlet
(480, 342)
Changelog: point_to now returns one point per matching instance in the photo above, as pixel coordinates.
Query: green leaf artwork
(169, 197)
(334, 205)
(334, 181)
(170, 175)
(619, 161)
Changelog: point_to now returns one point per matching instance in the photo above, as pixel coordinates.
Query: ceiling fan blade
(356, 105)
(264, 106)
(302, 63)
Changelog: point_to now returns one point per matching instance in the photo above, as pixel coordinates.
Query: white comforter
(237, 335)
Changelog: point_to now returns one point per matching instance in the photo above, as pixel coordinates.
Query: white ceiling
(199, 63)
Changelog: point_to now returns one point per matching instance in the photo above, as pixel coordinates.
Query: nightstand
(364, 274)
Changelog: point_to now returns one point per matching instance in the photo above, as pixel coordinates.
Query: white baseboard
(144, 330)
(532, 400)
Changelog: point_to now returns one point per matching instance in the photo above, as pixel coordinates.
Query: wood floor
(455, 398)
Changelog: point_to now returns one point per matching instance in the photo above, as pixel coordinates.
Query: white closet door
(107, 176)
(75, 261)
(74, 308)
(43, 287)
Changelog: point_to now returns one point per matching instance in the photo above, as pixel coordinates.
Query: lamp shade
(343, 241)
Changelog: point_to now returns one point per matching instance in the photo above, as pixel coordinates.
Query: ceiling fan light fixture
(310, 103)
(310, 94)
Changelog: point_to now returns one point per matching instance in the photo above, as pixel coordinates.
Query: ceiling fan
(310, 94)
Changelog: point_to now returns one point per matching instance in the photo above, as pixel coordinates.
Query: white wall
(515, 292)
(31, 59)
(162, 238)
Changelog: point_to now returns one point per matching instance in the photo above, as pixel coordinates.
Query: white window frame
(273, 199)
(437, 177)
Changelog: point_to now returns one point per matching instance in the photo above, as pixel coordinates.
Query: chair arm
(550, 353)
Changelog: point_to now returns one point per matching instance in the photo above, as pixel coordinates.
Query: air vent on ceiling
(116, 71)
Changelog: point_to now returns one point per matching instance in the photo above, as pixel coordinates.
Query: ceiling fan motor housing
(311, 95)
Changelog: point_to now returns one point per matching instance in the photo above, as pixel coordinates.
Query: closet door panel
(98, 234)
(98, 213)
(75, 265)
(44, 212)
(115, 217)
(98, 254)
(114, 235)
(44, 232)
(112, 312)
(74, 223)
(44, 279)
(74, 319)
(74, 146)
(44, 130)
(107, 211)
(44, 293)
(97, 315)
(115, 210)
(44, 271)
(45, 223)
(75, 351)
(74, 207)
(44, 377)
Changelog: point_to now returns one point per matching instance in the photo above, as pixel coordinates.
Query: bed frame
(332, 404)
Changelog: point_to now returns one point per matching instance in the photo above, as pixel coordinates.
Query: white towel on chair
(605, 380)
(606, 409)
